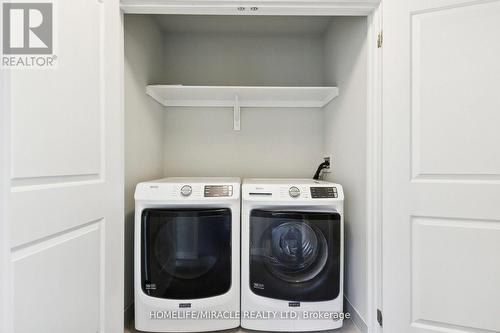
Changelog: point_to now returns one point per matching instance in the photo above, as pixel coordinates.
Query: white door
(65, 197)
(441, 216)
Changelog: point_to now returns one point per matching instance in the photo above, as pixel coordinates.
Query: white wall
(272, 142)
(243, 59)
(143, 123)
(345, 132)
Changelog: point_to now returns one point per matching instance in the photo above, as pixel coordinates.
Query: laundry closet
(252, 96)
(146, 89)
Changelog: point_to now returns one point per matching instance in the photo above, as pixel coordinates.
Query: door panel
(454, 73)
(66, 178)
(441, 226)
(43, 301)
(71, 97)
(446, 279)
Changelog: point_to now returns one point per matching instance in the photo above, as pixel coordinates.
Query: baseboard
(355, 316)
(128, 314)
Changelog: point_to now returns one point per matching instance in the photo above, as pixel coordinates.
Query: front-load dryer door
(186, 253)
(294, 255)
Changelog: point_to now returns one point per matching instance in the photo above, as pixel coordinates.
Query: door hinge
(380, 39)
(379, 317)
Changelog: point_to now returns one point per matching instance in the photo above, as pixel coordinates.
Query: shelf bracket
(236, 114)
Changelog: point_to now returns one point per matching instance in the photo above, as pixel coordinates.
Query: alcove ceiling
(243, 24)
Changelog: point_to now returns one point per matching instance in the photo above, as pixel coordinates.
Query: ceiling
(244, 24)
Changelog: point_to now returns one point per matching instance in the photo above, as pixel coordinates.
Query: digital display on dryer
(218, 191)
(323, 192)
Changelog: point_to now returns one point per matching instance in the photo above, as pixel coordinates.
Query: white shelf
(217, 96)
(242, 96)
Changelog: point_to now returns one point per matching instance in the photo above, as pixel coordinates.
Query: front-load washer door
(295, 255)
(186, 253)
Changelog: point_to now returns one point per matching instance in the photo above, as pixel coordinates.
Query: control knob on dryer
(186, 190)
(294, 192)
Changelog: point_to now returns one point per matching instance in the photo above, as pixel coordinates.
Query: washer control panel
(323, 192)
(218, 191)
(301, 191)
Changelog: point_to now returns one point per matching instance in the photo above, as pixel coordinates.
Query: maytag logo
(28, 35)
(150, 286)
(258, 285)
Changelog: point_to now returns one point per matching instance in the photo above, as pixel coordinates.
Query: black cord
(322, 166)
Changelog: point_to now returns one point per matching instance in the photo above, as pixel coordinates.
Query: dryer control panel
(324, 192)
(189, 189)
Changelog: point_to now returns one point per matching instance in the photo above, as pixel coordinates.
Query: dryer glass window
(186, 254)
(295, 255)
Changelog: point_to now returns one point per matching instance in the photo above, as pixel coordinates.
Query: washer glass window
(186, 253)
(295, 255)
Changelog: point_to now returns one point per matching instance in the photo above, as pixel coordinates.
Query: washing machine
(187, 254)
(291, 255)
